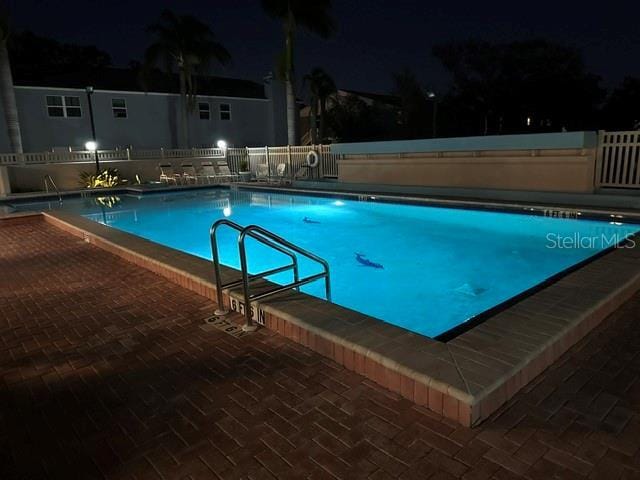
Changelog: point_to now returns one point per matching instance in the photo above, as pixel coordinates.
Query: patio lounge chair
(302, 173)
(224, 172)
(262, 172)
(281, 174)
(189, 173)
(208, 172)
(167, 174)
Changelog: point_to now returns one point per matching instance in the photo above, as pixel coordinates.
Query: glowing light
(338, 203)
(226, 211)
(91, 146)
(528, 121)
(222, 145)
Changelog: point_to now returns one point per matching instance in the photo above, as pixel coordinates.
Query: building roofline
(131, 92)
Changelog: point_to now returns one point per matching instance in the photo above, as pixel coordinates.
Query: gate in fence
(293, 157)
(618, 159)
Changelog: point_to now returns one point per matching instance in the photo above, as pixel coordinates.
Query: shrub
(107, 178)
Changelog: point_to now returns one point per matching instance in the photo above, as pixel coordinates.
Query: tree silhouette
(532, 85)
(184, 43)
(314, 16)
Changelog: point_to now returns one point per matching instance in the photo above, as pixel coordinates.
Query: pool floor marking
(257, 314)
(224, 325)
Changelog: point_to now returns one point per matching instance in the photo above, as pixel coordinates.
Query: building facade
(54, 113)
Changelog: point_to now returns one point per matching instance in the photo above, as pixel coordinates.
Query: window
(63, 106)
(205, 111)
(119, 107)
(225, 111)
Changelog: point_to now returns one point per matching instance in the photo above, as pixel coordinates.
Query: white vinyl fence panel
(293, 157)
(618, 163)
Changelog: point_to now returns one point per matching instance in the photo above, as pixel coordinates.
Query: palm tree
(310, 14)
(6, 88)
(185, 43)
(321, 86)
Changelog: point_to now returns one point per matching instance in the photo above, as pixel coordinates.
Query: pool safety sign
(257, 314)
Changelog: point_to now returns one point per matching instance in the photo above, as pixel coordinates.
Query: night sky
(374, 37)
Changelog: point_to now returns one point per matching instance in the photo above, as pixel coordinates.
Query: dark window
(63, 106)
(72, 105)
(204, 110)
(225, 111)
(119, 107)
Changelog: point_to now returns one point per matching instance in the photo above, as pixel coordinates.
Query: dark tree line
(518, 87)
(32, 56)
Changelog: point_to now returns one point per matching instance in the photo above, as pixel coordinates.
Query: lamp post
(432, 96)
(93, 145)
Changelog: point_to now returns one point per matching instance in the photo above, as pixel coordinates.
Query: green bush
(107, 178)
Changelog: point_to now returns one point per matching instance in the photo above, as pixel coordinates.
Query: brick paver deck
(107, 373)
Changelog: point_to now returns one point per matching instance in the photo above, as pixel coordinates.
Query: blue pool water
(440, 266)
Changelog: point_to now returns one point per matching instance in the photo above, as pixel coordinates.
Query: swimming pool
(424, 268)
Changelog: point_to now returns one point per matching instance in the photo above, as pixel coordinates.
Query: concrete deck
(110, 371)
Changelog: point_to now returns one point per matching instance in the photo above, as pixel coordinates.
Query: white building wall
(152, 121)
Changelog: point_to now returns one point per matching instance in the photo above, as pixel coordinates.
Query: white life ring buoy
(313, 159)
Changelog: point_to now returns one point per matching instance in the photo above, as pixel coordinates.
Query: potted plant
(245, 173)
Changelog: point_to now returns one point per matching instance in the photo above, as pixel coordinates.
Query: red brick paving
(107, 373)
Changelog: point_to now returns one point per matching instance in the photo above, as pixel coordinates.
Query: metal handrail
(216, 263)
(267, 237)
(47, 180)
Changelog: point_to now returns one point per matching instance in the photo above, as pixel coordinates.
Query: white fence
(294, 157)
(618, 161)
(106, 155)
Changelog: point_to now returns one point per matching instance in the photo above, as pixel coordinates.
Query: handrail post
(248, 317)
(221, 310)
(271, 240)
(327, 283)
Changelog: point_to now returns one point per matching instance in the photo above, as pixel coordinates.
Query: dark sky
(374, 37)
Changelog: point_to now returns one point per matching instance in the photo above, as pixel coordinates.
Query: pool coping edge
(472, 403)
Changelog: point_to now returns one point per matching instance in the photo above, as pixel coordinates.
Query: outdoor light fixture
(431, 95)
(222, 145)
(226, 211)
(92, 145)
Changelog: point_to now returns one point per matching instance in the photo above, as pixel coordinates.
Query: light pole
(93, 145)
(432, 95)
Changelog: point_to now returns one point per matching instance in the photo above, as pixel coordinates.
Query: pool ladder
(49, 181)
(275, 242)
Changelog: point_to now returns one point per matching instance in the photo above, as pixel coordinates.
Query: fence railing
(618, 159)
(106, 155)
(294, 157)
